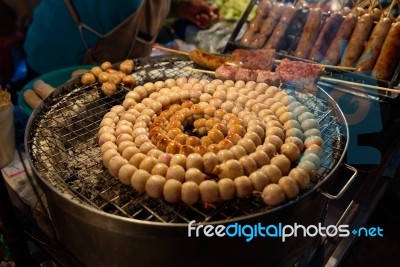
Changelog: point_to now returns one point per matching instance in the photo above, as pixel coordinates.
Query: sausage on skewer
(251, 59)
(371, 52)
(270, 22)
(310, 33)
(300, 74)
(279, 32)
(210, 61)
(256, 23)
(358, 38)
(376, 14)
(257, 40)
(246, 38)
(389, 57)
(263, 8)
(227, 72)
(346, 10)
(253, 27)
(261, 59)
(325, 37)
(340, 41)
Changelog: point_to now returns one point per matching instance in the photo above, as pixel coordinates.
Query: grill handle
(345, 187)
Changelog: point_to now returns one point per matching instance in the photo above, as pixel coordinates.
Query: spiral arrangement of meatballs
(189, 140)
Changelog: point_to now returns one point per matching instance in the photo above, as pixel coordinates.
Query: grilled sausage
(373, 48)
(270, 22)
(31, 98)
(208, 60)
(257, 40)
(376, 14)
(310, 33)
(256, 59)
(390, 54)
(325, 37)
(226, 72)
(361, 11)
(358, 38)
(255, 23)
(340, 41)
(246, 38)
(280, 29)
(263, 8)
(347, 10)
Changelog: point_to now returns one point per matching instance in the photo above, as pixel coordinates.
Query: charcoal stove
(102, 222)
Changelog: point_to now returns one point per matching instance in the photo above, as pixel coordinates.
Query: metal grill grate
(62, 144)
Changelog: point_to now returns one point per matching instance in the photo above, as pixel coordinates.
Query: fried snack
(42, 89)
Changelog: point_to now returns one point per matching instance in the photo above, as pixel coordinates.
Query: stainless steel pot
(104, 223)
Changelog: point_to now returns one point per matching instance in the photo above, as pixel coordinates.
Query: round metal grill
(62, 143)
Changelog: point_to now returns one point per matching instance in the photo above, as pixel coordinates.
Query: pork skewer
(264, 59)
(252, 59)
(229, 72)
(274, 78)
(296, 73)
(240, 57)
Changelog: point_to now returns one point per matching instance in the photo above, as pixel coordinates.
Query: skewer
(321, 78)
(388, 10)
(360, 84)
(276, 60)
(171, 50)
(200, 70)
(364, 4)
(325, 66)
(375, 3)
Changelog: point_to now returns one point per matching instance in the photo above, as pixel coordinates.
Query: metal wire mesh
(62, 145)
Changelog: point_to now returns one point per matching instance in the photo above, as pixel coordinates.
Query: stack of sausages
(269, 25)
(351, 38)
